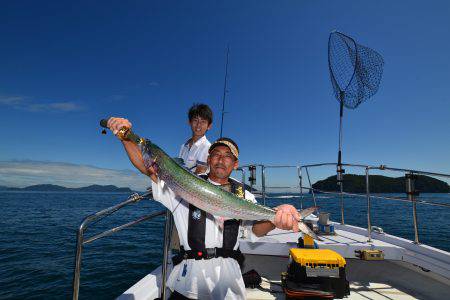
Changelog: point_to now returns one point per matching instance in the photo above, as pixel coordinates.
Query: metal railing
(81, 240)
(410, 177)
(410, 190)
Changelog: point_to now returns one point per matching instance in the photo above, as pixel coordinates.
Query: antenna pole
(224, 90)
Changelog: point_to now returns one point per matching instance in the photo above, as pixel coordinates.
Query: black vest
(197, 224)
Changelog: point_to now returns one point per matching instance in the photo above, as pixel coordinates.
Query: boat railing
(82, 240)
(302, 170)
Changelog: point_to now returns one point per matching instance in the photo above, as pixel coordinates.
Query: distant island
(382, 184)
(57, 188)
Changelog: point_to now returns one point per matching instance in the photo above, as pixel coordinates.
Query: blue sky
(65, 65)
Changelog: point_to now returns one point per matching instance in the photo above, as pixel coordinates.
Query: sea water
(38, 236)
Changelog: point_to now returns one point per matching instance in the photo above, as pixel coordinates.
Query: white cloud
(56, 106)
(25, 173)
(153, 83)
(24, 103)
(12, 100)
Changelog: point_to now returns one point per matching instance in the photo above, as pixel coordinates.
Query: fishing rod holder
(252, 178)
(340, 174)
(340, 182)
(411, 185)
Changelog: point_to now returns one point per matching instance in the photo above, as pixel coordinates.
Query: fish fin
(306, 230)
(307, 211)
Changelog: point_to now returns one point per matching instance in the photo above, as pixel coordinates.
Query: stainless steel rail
(312, 191)
(410, 189)
(299, 174)
(166, 254)
(119, 228)
(372, 196)
(369, 223)
(81, 241)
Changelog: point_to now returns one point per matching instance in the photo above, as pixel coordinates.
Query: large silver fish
(202, 193)
(207, 196)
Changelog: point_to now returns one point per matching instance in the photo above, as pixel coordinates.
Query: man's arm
(261, 228)
(202, 159)
(287, 218)
(133, 151)
(135, 156)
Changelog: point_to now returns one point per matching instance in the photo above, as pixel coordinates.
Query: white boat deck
(350, 238)
(358, 292)
(409, 271)
(368, 280)
(344, 242)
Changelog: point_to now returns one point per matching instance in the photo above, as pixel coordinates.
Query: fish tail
(306, 230)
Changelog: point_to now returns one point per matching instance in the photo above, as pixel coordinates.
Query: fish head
(308, 211)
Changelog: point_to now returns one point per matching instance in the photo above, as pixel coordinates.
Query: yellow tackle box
(318, 273)
(317, 257)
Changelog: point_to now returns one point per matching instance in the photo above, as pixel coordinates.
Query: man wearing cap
(208, 264)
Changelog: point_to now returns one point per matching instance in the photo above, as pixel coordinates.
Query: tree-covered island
(382, 184)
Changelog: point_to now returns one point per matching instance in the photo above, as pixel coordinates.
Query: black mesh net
(355, 70)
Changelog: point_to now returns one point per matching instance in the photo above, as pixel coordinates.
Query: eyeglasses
(218, 155)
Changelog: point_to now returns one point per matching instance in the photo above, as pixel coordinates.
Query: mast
(224, 90)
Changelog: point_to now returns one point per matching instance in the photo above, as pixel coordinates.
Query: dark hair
(200, 110)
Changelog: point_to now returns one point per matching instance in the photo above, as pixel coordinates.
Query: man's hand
(287, 217)
(133, 151)
(115, 124)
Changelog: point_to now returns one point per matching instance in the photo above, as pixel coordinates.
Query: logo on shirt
(196, 214)
(239, 192)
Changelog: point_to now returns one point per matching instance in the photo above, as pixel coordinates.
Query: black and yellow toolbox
(318, 273)
(369, 254)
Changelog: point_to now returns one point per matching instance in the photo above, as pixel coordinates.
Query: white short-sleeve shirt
(195, 155)
(216, 278)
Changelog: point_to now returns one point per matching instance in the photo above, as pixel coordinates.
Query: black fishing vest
(197, 223)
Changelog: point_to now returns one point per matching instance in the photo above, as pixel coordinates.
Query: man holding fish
(208, 264)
